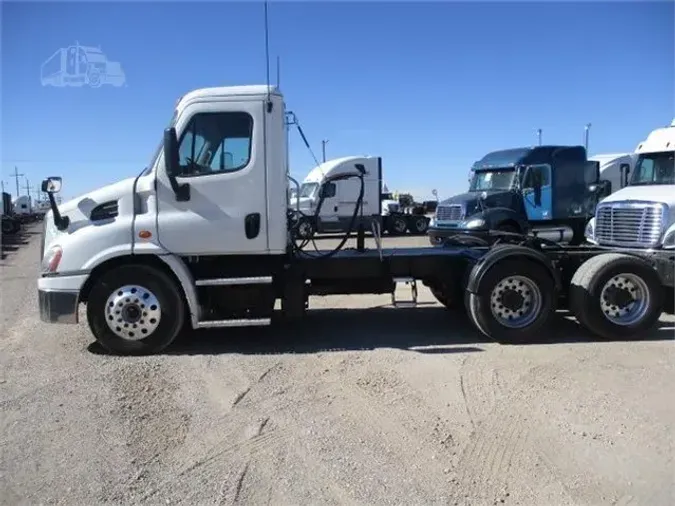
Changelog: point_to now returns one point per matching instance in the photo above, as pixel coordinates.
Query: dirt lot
(376, 406)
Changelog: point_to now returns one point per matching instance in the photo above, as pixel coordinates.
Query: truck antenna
(278, 72)
(267, 60)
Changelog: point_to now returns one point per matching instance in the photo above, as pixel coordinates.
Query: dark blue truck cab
(548, 191)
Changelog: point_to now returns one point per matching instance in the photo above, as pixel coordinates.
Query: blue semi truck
(548, 191)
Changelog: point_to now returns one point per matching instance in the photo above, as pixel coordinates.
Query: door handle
(252, 225)
(335, 209)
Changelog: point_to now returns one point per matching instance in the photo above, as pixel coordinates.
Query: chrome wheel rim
(515, 302)
(625, 299)
(132, 312)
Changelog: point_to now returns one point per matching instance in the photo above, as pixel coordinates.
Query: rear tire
(397, 225)
(616, 296)
(135, 310)
(418, 225)
(514, 301)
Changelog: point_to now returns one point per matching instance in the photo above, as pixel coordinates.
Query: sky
(429, 87)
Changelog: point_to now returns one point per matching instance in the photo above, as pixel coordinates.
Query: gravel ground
(363, 405)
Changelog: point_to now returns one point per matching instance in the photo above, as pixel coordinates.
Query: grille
(629, 224)
(449, 213)
(104, 211)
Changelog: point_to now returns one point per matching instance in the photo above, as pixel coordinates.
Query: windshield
(492, 180)
(388, 196)
(654, 168)
(308, 189)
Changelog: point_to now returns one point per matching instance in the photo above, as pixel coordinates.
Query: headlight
(51, 260)
(669, 238)
(474, 223)
(590, 230)
(432, 221)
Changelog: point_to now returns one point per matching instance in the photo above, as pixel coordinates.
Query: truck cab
(642, 214)
(549, 191)
(338, 198)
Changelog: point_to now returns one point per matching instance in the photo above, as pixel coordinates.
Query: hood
(80, 208)
(664, 193)
(493, 198)
(305, 203)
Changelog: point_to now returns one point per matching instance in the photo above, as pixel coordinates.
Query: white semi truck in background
(642, 213)
(194, 243)
(340, 197)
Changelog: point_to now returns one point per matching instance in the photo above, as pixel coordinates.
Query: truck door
(330, 209)
(221, 155)
(537, 194)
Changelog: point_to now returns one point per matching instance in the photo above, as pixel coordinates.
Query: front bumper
(58, 306)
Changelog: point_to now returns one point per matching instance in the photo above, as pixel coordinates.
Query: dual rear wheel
(612, 295)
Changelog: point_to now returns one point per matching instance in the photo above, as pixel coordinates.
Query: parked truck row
(203, 240)
(22, 210)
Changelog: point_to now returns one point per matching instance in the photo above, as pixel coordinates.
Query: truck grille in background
(623, 224)
(105, 211)
(449, 213)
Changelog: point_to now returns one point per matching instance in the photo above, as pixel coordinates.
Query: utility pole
(16, 176)
(323, 148)
(539, 135)
(586, 130)
(28, 188)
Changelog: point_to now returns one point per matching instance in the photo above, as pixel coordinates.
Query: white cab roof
(331, 167)
(609, 157)
(229, 91)
(661, 139)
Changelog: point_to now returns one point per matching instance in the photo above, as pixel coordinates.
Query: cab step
(256, 280)
(403, 303)
(242, 322)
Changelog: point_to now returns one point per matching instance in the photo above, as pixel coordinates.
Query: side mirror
(51, 185)
(171, 157)
(172, 164)
(624, 170)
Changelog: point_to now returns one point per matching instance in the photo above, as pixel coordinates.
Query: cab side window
(541, 173)
(216, 142)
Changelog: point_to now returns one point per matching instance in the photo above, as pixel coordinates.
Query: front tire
(514, 301)
(616, 296)
(135, 310)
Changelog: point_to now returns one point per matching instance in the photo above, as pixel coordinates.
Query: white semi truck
(642, 213)
(340, 197)
(194, 243)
